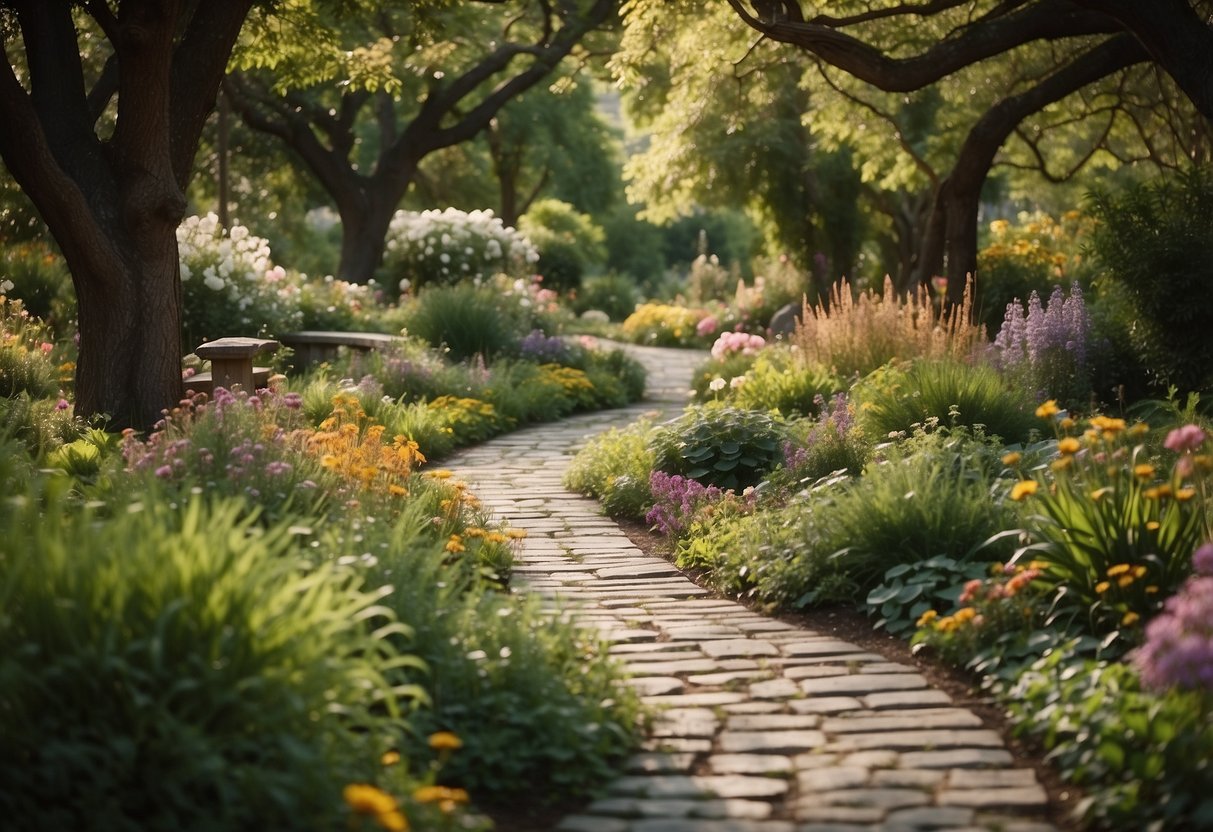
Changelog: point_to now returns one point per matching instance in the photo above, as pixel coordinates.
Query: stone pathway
(764, 726)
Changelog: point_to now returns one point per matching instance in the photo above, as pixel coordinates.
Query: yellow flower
(1139, 430)
(1130, 619)
(1024, 489)
(441, 474)
(1153, 526)
(445, 741)
(1185, 494)
(1107, 424)
(1158, 492)
(1012, 458)
(964, 614)
(1151, 590)
(1048, 409)
(368, 800)
(1118, 569)
(1061, 464)
(1139, 571)
(1143, 471)
(1124, 580)
(1069, 445)
(1099, 493)
(440, 794)
(397, 490)
(390, 758)
(1102, 587)
(455, 544)
(515, 534)
(927, 617)
(1066, 424)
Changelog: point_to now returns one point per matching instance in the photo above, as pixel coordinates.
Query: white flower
(737, 381)
(717, 385)
(213, 281)
(6, 286)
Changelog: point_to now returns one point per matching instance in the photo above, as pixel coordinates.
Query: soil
(849, 624)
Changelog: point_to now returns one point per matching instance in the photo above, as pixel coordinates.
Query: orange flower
(1024, 489)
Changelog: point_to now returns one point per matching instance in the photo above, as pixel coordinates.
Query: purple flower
(1178, 651)
(62, 404)
(293, 401)
(676, 499)
(164, 472)
(1186, 438)
(278, 467)
(1202, 560)
(539, 347)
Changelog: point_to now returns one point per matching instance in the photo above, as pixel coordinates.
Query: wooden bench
(231, 364)
(315, 346)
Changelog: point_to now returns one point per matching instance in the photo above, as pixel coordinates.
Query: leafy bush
(614, 468)
(569, 242)
(1152, 241)
(719, 445)
(466, 320)
(1036, 254)
(909, 590)
(1143, 758)
(559, 711)
(38, 276)
(339, 305)
(443, 247)
(946, 392)
(930, 497)
(779, 383)
(1113, 529)
(169, 669)
(726, 367)
(229, 284)
(26, 362)
(855, 335)
(663, 325)
(613, 293)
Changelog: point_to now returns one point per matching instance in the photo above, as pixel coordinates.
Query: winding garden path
(764, 726)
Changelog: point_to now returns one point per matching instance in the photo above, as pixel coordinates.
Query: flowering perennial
(734, 342)
(452, 245)
(676, 500)
(1047, 346)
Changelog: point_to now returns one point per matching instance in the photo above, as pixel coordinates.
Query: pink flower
(706, 326)
(62, 404)
(1186, 438)
(164, 472)
(1202, 560)
(46, 347)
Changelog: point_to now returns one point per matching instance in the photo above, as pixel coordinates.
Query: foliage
(570, 244)
(663, 325)
(559, 713)
(992, 621)
(614, 293)
(1151, 241)
(26, 361)
(614, 467)
(725, 367)
(824, 446)
(676, 500)
(38, 276)
(339, 305)
(229, 284)
(781, 557)
(445, 247)
(909, 591)
(933, 495)
(855, 335)
(779, 383)
(1142, 758)
(719, 445)
(171, 669)
(942, 392)
(1047, 351)
(1036, 254)
(467, 320)
(1112, 528)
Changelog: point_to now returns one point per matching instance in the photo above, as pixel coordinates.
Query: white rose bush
(230, 286)
(449, 246)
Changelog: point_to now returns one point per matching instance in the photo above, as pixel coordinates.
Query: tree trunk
(366, 208)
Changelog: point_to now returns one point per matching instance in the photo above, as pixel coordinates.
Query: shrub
(1152, 241)
(229, 284)
(910, 591)
(444, 247)
(930, 497)
(1142, 758)
(1113, 529)
(822, 447)
(38, 276)
(855, 335)
(947, 392)
(27, 353)
(718, 445)
(339, 305)
(612, 293)
(466, 320)
(1046, 350)
(569, 242)
(726, 368)
(663, 325)
(560, 714)
(779, 383)
(1036, 254)
(169, 669)
(614, 468)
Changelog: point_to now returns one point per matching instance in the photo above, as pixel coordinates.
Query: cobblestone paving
(763, 726)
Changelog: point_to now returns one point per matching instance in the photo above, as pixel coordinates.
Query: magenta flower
(1178, 651)
(164, 472)
(62, 404)
(1186, 438)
